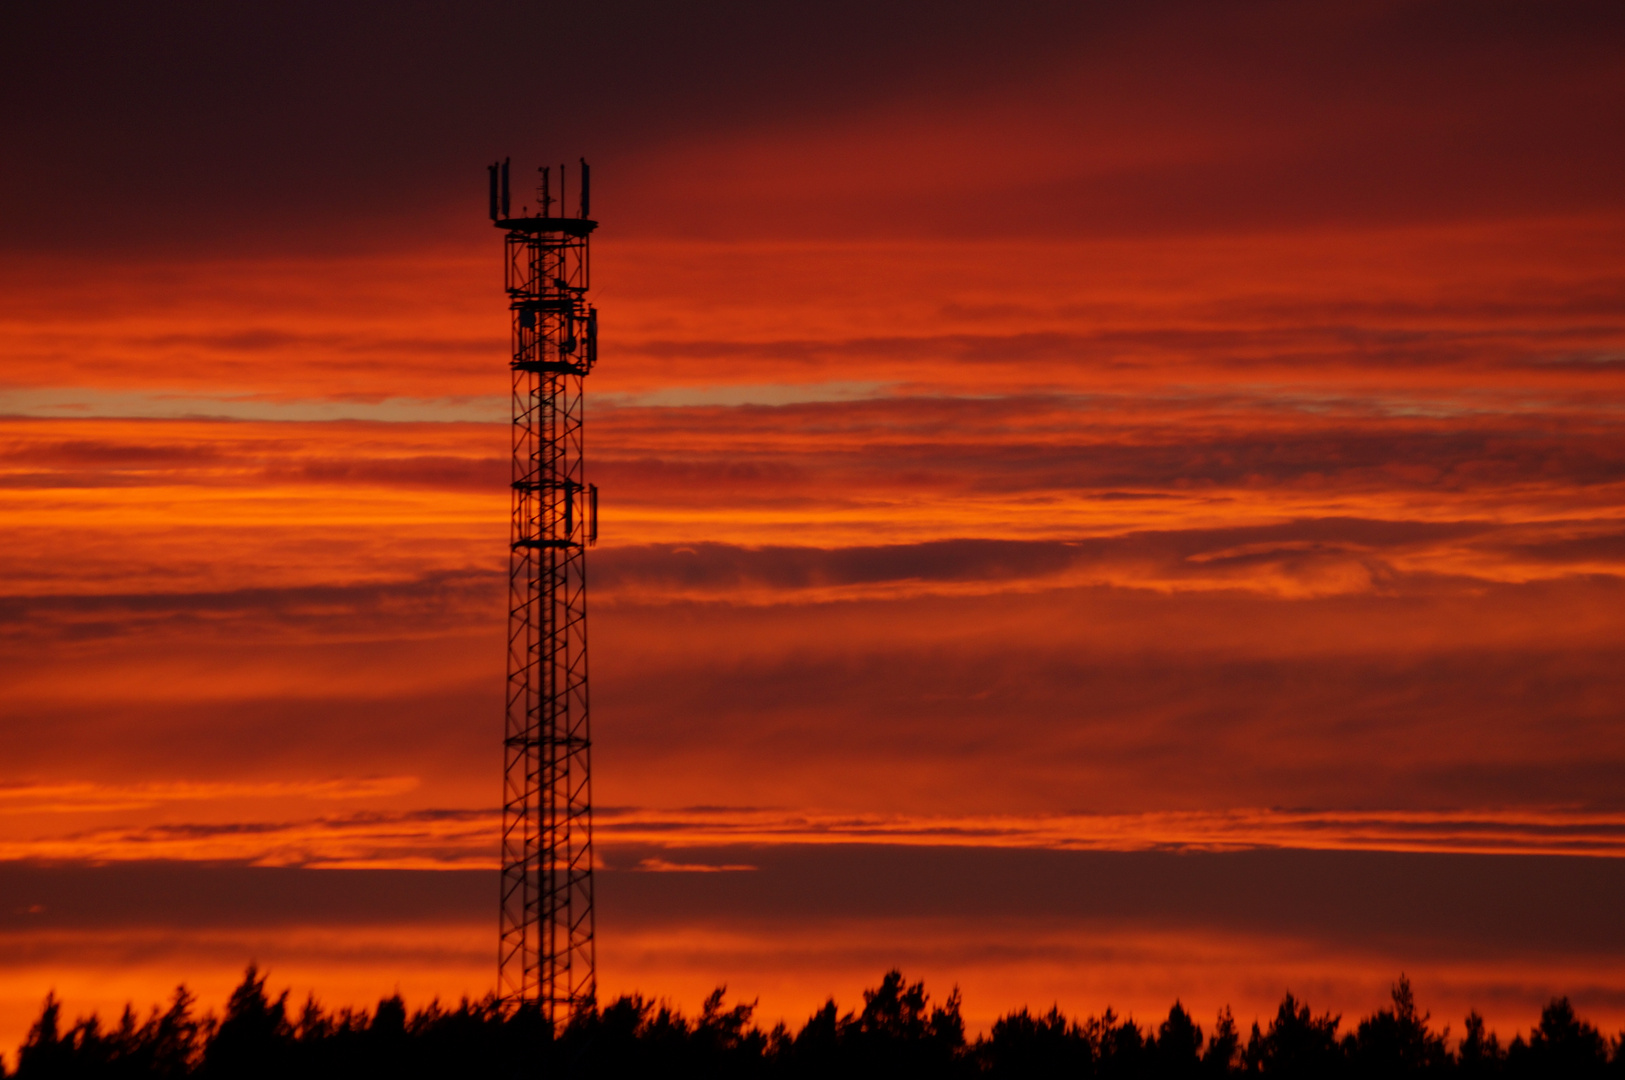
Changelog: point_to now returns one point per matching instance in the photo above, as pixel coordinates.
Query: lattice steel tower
(546, 956)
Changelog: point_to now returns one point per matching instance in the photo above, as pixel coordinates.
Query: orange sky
(1073, 458)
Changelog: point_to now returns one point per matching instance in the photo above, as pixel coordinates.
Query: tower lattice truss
(547, 954)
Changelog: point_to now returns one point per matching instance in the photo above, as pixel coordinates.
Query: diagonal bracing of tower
(547, 955)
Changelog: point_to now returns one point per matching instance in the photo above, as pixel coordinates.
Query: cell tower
(546, 956)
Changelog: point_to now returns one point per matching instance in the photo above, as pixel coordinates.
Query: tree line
(898, 1034)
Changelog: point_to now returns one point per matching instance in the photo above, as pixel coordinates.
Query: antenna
(492, 169)
(547, 956)
(586, 187)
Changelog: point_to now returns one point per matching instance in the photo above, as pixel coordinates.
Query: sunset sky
(1100, 503)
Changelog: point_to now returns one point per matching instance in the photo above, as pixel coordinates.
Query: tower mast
(547, 955)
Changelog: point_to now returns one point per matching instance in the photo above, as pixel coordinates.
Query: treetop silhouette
(898, 1033)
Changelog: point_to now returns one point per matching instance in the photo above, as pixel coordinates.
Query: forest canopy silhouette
(899, 1032)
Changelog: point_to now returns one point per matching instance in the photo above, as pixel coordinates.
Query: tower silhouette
(547, 955)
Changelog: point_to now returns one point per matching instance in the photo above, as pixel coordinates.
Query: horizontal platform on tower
(551, 367)
(533, 544)
(536, 225)
(522, 742)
